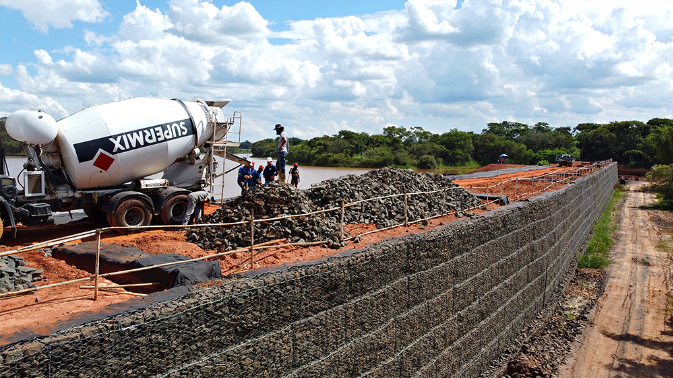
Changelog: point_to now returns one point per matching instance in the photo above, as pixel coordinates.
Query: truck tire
(131, 212)
(174, 210)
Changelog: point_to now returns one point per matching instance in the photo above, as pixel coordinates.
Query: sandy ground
(45, 308)
(632, 335)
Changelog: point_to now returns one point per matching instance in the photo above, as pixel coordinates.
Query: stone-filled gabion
(387, 181)
(15, 274)
(275, 200)
(269, 201)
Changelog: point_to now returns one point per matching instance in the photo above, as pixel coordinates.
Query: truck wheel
(132, 212)
(174, 210)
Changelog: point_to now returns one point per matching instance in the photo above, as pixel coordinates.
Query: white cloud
(57, 13)
(203, 22)
(430, 65)
(13, 100)
(6, 69)
(144, 24)
(43, 56)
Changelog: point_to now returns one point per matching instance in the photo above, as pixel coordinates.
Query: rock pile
(275, 200)
(387, 181)
(15, 274)
(270, 201)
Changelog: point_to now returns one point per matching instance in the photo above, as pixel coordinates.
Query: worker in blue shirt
(270, 171)
(252, 180)
(243, 176)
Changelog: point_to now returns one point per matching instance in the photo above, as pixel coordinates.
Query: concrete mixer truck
(98, 159)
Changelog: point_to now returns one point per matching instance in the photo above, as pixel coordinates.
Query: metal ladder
(218, 147)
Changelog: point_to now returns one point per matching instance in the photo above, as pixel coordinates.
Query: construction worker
(294, 175)
(195, 203)
(256, 178)
(251, 181)
(269, 171)
(283, 149)
(242, 179)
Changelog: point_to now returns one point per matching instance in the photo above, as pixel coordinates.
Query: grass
(661, 204)
(459, 169)
(596, 255)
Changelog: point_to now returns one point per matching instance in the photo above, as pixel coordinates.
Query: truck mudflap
(110, 206)
(8, 215)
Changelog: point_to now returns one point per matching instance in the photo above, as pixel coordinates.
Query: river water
(308, 175)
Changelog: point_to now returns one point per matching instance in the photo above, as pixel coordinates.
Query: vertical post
(502, 183)
(516, 184)
(342, 220)
(224, 172)
(444, 202)
(252, 239)
(487, 197)
(406, 212)
(97, 267)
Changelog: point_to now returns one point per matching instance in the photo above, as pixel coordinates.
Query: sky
(319, 67)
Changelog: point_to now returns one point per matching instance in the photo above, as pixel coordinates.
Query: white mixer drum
(110, 144)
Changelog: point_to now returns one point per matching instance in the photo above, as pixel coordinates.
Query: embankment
(442, 303)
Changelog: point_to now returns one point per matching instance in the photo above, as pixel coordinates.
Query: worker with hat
(269, 171)
(294, 175)
(283, 149)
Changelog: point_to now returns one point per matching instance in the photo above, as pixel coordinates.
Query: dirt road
(632, 335)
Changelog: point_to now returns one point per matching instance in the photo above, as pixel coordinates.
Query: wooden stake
(342, 220)
(97, 267)
(444, 203)
(120, 286)
(516, 184)
(252, 239)
(406, 212)
(112, 290)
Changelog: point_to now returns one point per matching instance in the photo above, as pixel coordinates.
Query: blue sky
(323, 66)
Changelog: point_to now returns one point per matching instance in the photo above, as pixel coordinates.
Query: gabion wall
(438, 304)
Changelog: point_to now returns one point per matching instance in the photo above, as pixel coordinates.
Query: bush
(427, 162)
(661, 177)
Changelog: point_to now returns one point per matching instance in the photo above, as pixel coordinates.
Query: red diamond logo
(103, 161)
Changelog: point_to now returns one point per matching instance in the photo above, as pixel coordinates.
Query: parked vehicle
(565, 160)
(98, 159)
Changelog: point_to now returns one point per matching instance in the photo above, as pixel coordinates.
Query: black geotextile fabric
(114, 258)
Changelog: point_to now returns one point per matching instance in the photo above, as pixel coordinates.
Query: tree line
(634, 143)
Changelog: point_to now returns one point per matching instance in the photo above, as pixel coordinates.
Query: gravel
(15, 274)
(387, 181)
(275, 200)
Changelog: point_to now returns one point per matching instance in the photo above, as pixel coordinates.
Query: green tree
(265, 148)
(488, 147)
(458, 147)
(661, 144)
(427, 162)
(506, 129)
(11, 145)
